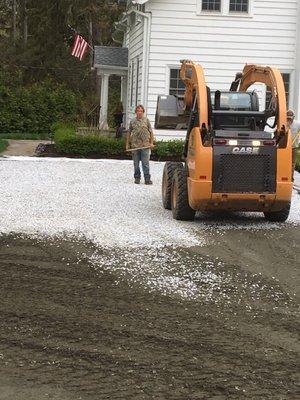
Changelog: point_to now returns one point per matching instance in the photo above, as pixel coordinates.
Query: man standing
(295, 131)
(140, 140)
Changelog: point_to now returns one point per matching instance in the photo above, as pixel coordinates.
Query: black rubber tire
(166, 186)
(278, 216)
(181, 209)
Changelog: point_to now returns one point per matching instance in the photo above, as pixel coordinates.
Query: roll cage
(197, 102)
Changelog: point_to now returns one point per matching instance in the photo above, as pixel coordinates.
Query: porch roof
(111, 57)
(139, 1)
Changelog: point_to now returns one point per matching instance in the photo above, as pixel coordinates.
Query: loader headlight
(232, 142)
(255, 143)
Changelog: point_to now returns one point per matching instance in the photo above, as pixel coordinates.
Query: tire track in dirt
(70, 333)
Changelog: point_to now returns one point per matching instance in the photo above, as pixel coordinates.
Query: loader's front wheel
(168, 173)
(181, 209)
(278, 216)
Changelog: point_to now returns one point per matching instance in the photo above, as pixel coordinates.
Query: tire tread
(169, 168)
(279, 216)
(182, 211)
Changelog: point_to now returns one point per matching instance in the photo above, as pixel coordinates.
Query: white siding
(134, 42)
(296, 104)
(222, 44)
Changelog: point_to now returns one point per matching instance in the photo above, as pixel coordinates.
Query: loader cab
(236, 110)
(235, 101)
(230, 114)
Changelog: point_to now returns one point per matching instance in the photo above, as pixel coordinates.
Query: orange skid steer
(233, 159)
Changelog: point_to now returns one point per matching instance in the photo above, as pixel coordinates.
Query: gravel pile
(97, 200)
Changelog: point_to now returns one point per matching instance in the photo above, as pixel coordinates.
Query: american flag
(79, 47)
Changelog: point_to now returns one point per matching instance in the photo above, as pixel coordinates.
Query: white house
(221, 35)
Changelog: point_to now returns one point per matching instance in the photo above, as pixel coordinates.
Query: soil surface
(72, 329)
(22, 147)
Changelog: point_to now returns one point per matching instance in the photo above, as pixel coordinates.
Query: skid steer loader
(230, 160)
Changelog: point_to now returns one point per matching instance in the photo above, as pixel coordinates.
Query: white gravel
(92, 198)
(97, 199)
(189, 275)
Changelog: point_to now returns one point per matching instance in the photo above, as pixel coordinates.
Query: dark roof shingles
(111, 56)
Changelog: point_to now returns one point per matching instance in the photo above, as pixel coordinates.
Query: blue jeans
(142, 155)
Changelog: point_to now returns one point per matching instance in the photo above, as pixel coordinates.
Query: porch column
(124, 97)
(103, 102)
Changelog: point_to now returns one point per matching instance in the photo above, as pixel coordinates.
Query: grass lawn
(3, 145)
(298, 161)
(24, 136)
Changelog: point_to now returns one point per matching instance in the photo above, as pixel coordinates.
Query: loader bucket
(170, 113)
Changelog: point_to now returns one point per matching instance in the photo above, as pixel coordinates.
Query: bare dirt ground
(69, 330)
(22, 147)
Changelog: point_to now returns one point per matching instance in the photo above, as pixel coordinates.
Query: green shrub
(298, 161)
(62, 131)
(35, 108)
(3, 145)
(88, 145)
(68, 142)
(172, 148)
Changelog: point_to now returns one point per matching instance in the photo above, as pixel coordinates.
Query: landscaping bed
(68, 144)
(51, 150)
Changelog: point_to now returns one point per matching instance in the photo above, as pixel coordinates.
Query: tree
(34, 37)
(35, 43)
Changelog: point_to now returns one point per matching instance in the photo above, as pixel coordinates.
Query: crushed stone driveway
(98, 200)
(104, 295)
(22, 147)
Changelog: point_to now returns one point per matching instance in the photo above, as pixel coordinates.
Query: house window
(211, 5)
(239, 6)
(231, 8)
(286, 81)
(141, 7)
(177, 86)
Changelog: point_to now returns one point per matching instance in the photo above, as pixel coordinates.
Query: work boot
(137, 181)
(148, 182)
